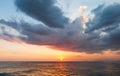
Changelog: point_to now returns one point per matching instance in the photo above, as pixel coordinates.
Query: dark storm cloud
(103, 31)
(105, 16)
(43, 10)
(107, 19)
(71, 38)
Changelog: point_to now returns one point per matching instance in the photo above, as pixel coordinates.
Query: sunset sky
(54, 30)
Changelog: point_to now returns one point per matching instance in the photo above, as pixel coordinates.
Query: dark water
(59, 69)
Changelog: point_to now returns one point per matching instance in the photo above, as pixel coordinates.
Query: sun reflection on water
(59, 69)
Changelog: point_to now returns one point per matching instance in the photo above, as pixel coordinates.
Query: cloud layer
(107, 20)
(101, 33)
(43, 10)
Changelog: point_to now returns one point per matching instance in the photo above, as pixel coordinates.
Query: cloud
(83, 8)
(105, 16)
(24, 29)
(8, 31)
(43, 10)
(71, 38)
(101, 33)
(107, 19)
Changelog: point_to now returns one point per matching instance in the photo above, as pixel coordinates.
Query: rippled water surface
(59, 68)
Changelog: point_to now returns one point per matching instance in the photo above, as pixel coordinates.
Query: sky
(56, 30)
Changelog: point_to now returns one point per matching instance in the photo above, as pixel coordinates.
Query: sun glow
(61, 58)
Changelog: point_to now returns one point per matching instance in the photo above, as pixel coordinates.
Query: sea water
(59, 68)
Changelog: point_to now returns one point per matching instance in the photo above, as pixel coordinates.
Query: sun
(61, 58)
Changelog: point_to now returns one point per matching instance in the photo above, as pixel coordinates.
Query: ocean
(59, 68)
